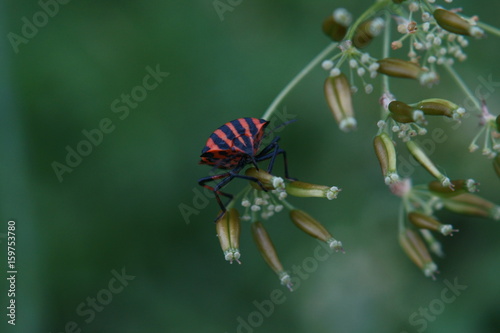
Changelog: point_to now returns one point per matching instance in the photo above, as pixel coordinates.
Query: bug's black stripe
(242, 130)
(227, 131)
(205, 149)
(237, 125)
(221, 144)
(251, 126)
(248, 142)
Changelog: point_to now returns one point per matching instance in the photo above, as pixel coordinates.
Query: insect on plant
(233, 146)
(436, 39)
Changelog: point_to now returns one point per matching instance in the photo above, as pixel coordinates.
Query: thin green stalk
(385, 53)
(488, 28)
(462, 86)
(297, 79)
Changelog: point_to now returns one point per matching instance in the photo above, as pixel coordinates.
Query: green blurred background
(119, 208)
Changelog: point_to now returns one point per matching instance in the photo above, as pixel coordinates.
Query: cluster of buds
(264, 204)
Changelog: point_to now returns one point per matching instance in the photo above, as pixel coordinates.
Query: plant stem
(488, 28)
(297, 79)
(385, 53)
(463, 86)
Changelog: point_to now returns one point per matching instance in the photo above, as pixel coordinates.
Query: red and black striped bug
(233, 146)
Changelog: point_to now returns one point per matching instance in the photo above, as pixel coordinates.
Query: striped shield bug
(233, 146)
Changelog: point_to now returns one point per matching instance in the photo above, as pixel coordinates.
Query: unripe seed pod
(401, 112)
(313, 228)
(301, 189)
(266, 248)
(424, 160)
(338, 96)
(386, 154)
(453, 22)
(498, 123)
(399, 68)
(228, 231)
(269, 181)
(362, 37)
(426, 222)
(471, 204)
(457, 187)
(334, 29)
(366, 31)
(439, 107)
(415, 248)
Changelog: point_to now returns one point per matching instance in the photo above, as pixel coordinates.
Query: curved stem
(297, 79)
(463, 86)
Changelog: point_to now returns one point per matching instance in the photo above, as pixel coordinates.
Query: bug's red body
(234, 145)
(232, 142)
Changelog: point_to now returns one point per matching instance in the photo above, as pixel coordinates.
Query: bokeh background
(119, 208)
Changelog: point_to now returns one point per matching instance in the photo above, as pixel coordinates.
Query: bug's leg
(216, 190)
(272, 155)
(252, 179)
(270, 146)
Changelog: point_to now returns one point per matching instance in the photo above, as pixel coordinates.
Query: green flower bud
(266, 248)
(301, 189)
(471, 204)
(457, 187)
(415, 249)
(453, 22)
(426, 222)
(424, 160)
(313, 228)
(338, 96)
(228, 231)
(386, 154)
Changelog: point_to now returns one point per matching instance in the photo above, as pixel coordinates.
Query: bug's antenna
(280, 126)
